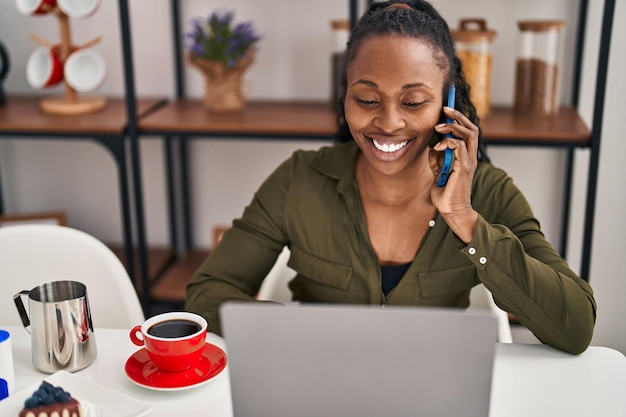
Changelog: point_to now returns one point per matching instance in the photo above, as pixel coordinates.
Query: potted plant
(222, 51)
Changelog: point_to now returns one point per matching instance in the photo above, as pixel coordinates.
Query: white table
(529, 380)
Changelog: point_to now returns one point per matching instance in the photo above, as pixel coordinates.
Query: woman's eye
(368, 103)
(413, 105)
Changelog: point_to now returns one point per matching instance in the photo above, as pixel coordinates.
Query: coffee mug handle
(134, 338)
(17, 298)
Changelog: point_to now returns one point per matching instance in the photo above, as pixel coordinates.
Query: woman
(365, 219)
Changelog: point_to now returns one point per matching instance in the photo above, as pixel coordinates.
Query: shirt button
(472, 251)
(431, 223)
(482, 260)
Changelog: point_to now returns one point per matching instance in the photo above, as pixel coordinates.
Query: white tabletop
(528, 380)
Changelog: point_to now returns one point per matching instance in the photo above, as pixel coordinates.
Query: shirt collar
(338, 162)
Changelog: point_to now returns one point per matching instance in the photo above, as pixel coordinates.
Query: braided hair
(417, 19)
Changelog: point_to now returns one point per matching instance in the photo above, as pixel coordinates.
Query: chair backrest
(33, 254)
(274, 288)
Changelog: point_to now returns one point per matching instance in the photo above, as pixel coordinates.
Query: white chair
(274, 288)
(33, 254)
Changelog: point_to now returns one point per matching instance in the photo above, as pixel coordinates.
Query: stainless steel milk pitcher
(60, 326)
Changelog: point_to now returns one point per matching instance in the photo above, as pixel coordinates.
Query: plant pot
(223, 85)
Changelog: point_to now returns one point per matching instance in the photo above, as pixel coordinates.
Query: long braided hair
(417, 19)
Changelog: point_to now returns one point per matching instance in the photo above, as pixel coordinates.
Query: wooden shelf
(259, 118)
(171, 285)
(298, 119)
(503, 127)
(21, 115)
(158, 259)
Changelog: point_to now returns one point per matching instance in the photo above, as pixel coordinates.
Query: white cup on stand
(85, 70)
(78, 9)
(44, 68)
(34, 7)
(7, 371)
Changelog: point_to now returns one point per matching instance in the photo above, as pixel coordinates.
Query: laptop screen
(355, 360)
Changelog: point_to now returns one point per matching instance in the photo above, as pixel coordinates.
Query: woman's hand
(454, 200)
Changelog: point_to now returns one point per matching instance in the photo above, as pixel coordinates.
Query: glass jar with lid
(341, 33)
(473, 47)
(537, 76)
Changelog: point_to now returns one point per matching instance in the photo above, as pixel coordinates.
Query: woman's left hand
(454, 200)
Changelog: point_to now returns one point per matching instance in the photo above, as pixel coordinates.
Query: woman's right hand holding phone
(454, 202)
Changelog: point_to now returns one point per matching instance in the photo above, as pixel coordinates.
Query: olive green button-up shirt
(311, 203)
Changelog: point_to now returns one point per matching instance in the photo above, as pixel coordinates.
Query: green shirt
(311, 203)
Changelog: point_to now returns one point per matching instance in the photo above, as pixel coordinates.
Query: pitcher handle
(17, 298)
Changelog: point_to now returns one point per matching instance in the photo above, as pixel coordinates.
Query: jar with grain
(341, 33)
(537, 77)
(473, 47)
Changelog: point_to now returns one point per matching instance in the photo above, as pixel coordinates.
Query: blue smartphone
(448, 155)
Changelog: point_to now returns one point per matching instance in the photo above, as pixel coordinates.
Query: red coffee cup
(31, 7)
(174, 341)
(44, 67)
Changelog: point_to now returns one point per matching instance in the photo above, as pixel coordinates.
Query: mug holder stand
(70, 104)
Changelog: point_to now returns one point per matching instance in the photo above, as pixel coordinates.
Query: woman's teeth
(389, 147)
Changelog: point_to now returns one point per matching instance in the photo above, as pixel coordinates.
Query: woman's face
(393, 101)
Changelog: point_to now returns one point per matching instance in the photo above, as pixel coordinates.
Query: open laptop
(315, 360)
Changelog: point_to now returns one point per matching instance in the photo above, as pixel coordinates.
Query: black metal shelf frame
(115, 144)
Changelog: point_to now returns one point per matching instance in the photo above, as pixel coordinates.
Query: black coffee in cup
(174, 328)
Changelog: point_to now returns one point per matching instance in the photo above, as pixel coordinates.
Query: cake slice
(51, 401)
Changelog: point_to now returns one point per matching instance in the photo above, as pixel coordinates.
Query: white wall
(294, 62)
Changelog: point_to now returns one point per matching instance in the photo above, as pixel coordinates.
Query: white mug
(7, 371)
(78, 9)
(44, 68)
(85, 70)
(31, 7)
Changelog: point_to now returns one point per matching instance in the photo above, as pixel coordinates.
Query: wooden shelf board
(280, 118)
(21, 115)
(158, 258)
(502, 125)
(172, 283)
(316, 119)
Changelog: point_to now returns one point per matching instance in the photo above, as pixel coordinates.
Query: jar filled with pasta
(537, 77)
(473, 47)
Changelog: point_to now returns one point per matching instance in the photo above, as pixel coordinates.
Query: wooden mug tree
(71, 103)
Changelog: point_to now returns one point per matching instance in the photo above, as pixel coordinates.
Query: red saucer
(142, 371)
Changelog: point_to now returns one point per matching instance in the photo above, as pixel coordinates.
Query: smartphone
(448, 155)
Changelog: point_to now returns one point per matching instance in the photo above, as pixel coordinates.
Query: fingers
(464, 143)
(461, 128)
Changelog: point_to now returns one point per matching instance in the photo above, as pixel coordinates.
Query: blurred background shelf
(159, 259)
(21, 118)
(170, 287)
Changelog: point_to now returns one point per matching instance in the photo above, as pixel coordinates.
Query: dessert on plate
(51, 401)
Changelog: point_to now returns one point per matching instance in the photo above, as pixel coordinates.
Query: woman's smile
(389, 149)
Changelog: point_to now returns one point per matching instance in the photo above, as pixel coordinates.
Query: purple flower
(216, 39)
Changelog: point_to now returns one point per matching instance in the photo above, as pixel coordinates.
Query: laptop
(314, 360)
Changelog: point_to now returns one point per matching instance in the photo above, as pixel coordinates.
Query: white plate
(112, 403)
